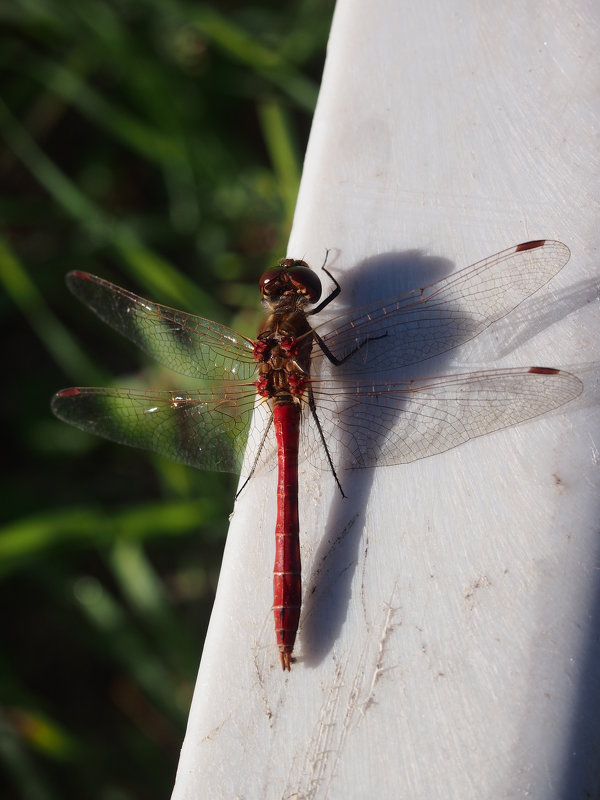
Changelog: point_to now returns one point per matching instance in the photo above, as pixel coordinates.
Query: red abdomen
(287, 586)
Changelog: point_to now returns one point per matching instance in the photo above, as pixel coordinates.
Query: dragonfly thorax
(283, 348)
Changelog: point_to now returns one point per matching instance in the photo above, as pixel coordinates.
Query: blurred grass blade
(26, 539)
(279, 139)
(137, 579)
(42, 168)
(42, 733)
(161, 278)
(147, 141)
(148, 267)
(145, 593)
(54, 336)
(18, 764)
(127, 646)
(236, 42)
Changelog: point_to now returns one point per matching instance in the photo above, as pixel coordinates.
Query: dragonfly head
(292, 280)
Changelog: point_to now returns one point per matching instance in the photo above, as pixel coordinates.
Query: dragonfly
(329, 392)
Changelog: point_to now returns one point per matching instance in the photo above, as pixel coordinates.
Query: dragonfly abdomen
(287, 584)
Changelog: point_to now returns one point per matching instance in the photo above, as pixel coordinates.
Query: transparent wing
(381, 424)
(205, 429)
(364, 425)
(419, 325)
(183, 342)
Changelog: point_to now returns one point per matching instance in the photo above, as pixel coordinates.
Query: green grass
(158, 144)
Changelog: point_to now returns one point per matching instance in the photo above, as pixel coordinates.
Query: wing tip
(574, 382)
(77, 275)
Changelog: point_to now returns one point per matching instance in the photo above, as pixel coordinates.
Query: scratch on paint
(388, 628)
(315, 579)
(482, 582)
(314, 761)
(216, 730)
(261, 683)
(362, 582)
(317, 765)
(594, 452)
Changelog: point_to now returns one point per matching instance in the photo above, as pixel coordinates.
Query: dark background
(158, 144)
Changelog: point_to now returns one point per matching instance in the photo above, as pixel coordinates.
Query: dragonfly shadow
(391, 401)
(529, 319)
(580, 754)
(388, 275)
(329, 580)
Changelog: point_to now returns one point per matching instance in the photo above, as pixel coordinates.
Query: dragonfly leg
(313, 411)
(338, 361)
(256, 458)
(330, 297)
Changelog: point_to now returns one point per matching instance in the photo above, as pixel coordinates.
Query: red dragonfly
(341, 420)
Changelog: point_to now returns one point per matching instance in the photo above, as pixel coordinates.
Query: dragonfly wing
(416, 326)
(204, 429)
(367, 425)
(183, 342)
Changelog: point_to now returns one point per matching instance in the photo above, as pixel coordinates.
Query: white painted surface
(448, 645)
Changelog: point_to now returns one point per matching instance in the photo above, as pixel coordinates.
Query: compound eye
(270, 283)
(304, 280)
